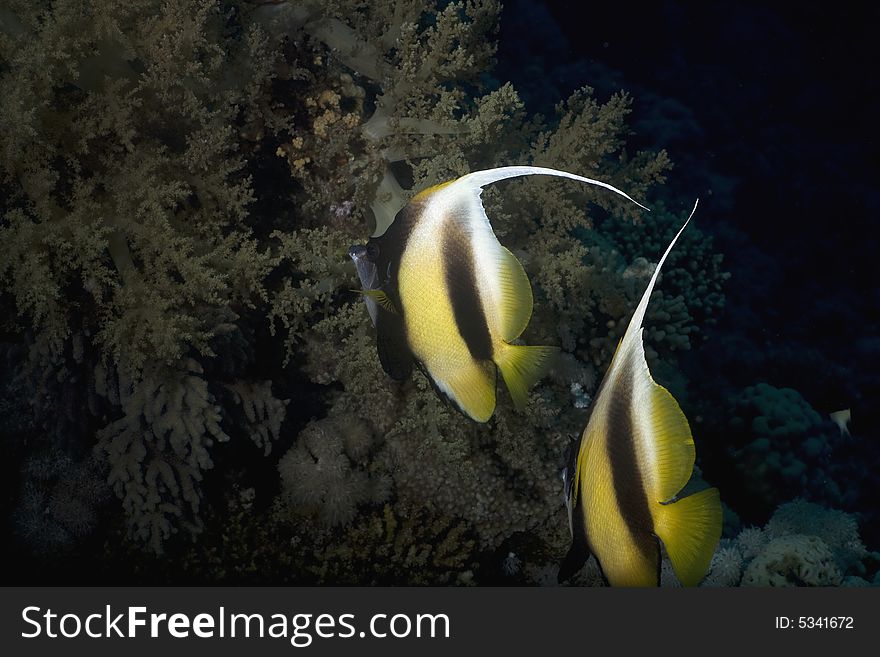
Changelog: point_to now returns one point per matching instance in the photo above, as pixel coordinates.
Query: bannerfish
(622, 481)
(842, 419)
(443, 293)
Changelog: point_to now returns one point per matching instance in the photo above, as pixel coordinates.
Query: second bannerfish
(623, 480)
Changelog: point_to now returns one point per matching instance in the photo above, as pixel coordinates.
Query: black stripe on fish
(461, 284)
(629, 488)
(391, 339)
(393, 243)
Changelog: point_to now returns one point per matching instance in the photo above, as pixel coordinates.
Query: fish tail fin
(690, 529)
(522, 367)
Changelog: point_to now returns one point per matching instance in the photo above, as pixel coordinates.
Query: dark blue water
(770, 115)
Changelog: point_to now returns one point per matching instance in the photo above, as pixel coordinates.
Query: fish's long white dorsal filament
(639, 315)
(479, 179)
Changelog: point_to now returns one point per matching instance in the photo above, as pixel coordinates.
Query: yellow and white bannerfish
(634, 457)
(443, 292)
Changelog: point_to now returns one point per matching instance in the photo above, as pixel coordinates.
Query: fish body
(453, 299)
(635, 456)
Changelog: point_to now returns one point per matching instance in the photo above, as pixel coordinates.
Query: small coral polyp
(795, 560)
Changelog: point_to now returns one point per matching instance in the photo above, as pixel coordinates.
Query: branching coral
(123, 225)
(263, 412)
(387, 547)
(60, 501)
(158, 450)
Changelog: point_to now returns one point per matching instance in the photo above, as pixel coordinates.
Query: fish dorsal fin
(460, 199)
(671, 448)
(516, 297)
(510, 288)
(479, 179)
(633, 331)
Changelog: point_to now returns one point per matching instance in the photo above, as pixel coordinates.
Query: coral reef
(60, 501)
(838, 530)
(180, 185)
(387, 547)
(794, 560)
(502, 478)
(783, 448)
(321, 475)
(158, 450)
(125, 242)
(803, 544)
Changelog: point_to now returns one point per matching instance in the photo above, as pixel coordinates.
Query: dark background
(769, 114)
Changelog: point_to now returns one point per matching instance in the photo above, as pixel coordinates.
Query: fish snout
(357, 252)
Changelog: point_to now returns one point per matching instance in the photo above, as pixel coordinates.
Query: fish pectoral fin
(523, 366)
(380, 298)
(690, 529)
(515, 304)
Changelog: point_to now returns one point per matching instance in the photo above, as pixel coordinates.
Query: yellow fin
(472, 388)
(690, 529)
(522, 367)
(671, 441)
(515, 304)
(381, 298)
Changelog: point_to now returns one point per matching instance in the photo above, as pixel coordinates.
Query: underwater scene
(466, 293)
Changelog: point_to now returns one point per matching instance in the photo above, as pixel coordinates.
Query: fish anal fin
(522, 366)
(515, 302)
(472, 390)
(690, 529)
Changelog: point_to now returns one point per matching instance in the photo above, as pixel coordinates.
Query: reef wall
(181, 182)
